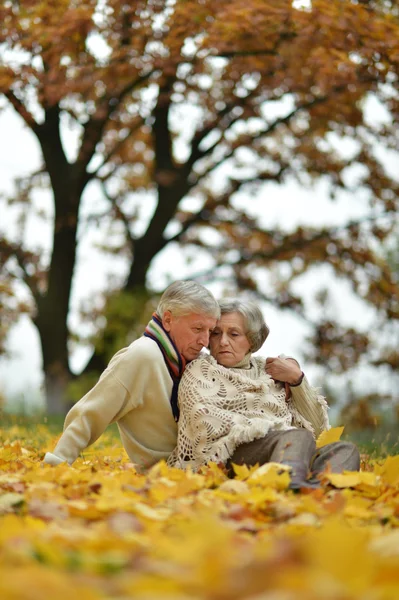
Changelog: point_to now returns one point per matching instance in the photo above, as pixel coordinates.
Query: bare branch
(119, 213)
(21, 109)
(24, 260)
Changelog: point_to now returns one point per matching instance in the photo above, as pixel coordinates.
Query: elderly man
(138, 389)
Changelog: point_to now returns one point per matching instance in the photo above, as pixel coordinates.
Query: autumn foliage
(105, 531)
(201, 107)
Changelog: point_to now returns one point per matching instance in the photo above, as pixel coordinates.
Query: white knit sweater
(221, 408)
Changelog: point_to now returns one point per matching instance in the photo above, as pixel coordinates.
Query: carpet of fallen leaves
(100, 530)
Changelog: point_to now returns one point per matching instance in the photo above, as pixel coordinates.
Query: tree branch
(119, 213)
(196, 153)
(24, 260)
(261, 52)
(21, 110)
(297, 244)
(263, 132)
(94, 128)
(209, 205)
(115, 149)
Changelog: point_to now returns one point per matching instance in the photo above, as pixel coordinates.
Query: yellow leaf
(369, 479)
(234, 486)
(352, 479)
(330, 436)
(389, 471)
(153, 514)
(386, 545)
(243, 472)
(79, 508)
(359, 508)
(8, 501)
(341, 552)
(272, 474)
(343, 480)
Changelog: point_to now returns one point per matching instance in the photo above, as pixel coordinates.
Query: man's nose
(204, 338)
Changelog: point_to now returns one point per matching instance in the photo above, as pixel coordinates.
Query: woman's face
(228, 342)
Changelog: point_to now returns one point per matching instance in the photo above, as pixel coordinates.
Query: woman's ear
(167, 320)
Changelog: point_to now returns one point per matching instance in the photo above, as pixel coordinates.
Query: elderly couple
(171, 402)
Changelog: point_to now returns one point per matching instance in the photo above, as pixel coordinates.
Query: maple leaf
(329, 436)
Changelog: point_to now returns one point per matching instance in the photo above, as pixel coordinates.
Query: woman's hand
(286, 370)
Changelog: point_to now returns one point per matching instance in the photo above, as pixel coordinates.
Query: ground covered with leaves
(100, 530)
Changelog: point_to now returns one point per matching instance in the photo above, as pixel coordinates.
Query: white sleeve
(309, 407)
(87, 420)
(52, 459)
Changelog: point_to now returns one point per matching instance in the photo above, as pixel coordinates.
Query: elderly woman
(235, 410)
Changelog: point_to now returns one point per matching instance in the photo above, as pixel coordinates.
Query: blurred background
(253, 149)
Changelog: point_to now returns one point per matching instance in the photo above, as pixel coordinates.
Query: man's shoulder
(142, 358)
(143, 347)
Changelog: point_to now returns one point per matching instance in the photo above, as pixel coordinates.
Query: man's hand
(285, 370)
(53, 459)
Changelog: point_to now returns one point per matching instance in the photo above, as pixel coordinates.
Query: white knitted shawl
(221, 408)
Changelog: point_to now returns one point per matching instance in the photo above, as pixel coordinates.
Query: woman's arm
(309, 407)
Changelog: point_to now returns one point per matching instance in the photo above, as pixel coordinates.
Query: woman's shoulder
(259, 363)
(203, 359)
(202, 367)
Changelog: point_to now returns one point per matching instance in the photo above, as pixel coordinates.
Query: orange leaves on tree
(178, 99)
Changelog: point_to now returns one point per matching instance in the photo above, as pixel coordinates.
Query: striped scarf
(174, 361)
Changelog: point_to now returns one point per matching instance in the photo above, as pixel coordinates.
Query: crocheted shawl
(221, 408)
(174, 361)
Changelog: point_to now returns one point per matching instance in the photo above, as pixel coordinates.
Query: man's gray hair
(188, 297)
(255, 327)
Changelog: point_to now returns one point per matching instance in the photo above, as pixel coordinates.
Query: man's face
(190, 333)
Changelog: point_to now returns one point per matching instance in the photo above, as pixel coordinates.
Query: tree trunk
(100, 357)
(57, 378)
(53, 305)
(51, 324)
(172, 184)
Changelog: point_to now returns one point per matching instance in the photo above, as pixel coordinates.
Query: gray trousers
(297, 448)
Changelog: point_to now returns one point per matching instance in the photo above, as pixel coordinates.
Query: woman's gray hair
(185, 297)
(255, 327)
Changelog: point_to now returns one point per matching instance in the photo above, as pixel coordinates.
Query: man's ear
(167, 320)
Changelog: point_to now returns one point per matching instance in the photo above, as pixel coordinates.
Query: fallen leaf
(9, 501)
(329, 436)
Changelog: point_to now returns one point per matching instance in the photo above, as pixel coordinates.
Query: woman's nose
(224, 340)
